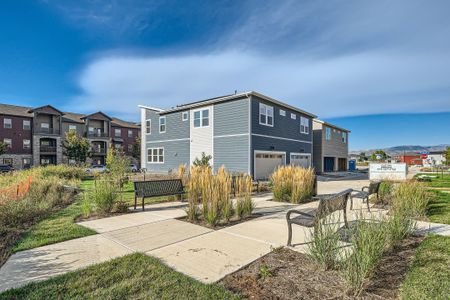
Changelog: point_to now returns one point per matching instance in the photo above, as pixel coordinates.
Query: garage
(301, 160)
(267, 162)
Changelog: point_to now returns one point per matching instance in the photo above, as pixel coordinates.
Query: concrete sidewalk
(205, 254)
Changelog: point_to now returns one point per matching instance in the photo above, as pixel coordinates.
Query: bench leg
(135, 201)
(351, 202)
(368, 205)
(143, 203)
(289, 234)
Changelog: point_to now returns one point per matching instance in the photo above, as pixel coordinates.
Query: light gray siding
(175, 154)
(232, 152)
(176, 128)
(231, 117)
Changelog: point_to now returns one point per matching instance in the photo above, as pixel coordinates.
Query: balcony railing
(98, 150)
(47, 130)
(97, 134)
(48, 149)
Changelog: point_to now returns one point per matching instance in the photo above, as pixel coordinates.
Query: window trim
(74, 129)
(8, 145)
(4, 123)
(293, 116)
(23, 124)
(282, 112)
(29, 144)
(165, 124)
(201, 110)
(328, 136)
(148, 126)
(130, 133)
(115, 132)
(151, 155)
(265, 106)
(344, 137)
(305, 125)
(185, 116)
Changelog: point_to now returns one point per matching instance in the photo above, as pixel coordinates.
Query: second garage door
(301, 160)
(266, 163)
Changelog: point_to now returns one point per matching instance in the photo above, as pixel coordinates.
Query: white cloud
(331, 58)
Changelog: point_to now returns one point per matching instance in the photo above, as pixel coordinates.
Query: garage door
(301, 160)
(266, 163)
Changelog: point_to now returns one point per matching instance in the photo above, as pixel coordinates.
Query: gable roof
(98, 115)
(122, 123)
(234, 97)
(47, 109)
(330, 125)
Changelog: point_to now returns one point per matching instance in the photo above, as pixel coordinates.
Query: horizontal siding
(284, 126)
(175, 154)
(231, 117)
(176, 128)
(232, 152)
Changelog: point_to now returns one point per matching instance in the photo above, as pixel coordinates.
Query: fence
(15, 191)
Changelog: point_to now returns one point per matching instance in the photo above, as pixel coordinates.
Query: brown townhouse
(34, 135)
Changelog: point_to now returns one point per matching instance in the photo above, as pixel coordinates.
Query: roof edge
(150, 108)
(331, 125)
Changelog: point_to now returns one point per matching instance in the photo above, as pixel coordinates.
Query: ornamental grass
(293, 184)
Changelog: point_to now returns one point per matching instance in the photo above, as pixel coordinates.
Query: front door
(328, 164)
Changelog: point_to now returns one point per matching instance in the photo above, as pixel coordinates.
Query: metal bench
(373, 188)
(157, 188)
(311, 217)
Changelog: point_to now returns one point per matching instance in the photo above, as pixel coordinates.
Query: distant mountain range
(401, 149)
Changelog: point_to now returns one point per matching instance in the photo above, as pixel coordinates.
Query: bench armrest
(365, 187)
(293, 211)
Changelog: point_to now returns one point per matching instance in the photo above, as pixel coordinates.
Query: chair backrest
(155, 188)
(333, 203)
(374, 186)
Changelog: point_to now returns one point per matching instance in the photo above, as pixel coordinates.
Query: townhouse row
(34, 135)
(246, 132)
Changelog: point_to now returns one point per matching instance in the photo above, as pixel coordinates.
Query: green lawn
(439, 181)
(58, 227)
(429, 275)
(439, 208)
(134, 276)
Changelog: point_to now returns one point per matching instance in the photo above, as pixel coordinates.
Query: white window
(26, 144)
(72, 128)
(130, 148)
(265, 115)
(162, 124)
(130, 133)
(155, 155)
(185, 116)
(117, 132)
(201, 118)
(344, 137)
(148, 126)
(91, 129)
(293, 116)
(7, 123)
(304, 125)
(45, 125)
(8, 143)
(282, 113)
(26, 125)
(327, 133)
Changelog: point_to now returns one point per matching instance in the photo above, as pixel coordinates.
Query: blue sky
(380, 68)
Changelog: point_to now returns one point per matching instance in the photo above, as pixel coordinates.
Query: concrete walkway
(205, 254)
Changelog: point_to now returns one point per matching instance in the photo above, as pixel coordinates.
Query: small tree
(362, 157)
(117, 164)
(202, 162)
(137, 149)
(76, 147)
(378, 155)
(447, 156)
(2, 148)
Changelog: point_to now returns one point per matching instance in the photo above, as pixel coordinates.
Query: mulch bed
(294, 275)
(222, 224)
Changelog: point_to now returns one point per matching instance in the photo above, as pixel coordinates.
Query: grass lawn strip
(439, 208)
(134, 276)
(429, 275)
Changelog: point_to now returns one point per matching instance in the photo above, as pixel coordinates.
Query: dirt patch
(222, 224)
(8, 238)
(286, 274)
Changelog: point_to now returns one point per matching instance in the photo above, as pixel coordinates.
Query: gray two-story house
(330, 149)
(246, 132)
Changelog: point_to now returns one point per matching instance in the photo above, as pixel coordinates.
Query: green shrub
(368, 245)
(385, 192)
(325, 242)
(410, 198)
(399, 226)
(64, 172)
(103, 195)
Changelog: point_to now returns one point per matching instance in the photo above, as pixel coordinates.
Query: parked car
(97, 169)
(134, 168)
(6, 168)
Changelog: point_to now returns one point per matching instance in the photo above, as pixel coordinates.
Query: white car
(97, 169)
